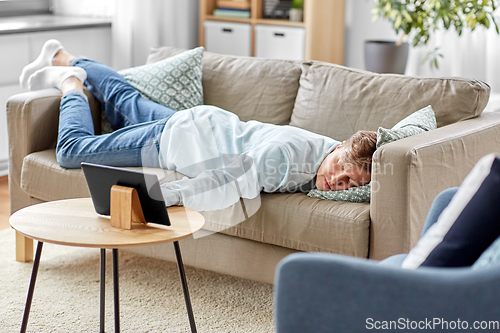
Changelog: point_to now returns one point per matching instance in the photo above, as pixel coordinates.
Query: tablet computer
(101, 178)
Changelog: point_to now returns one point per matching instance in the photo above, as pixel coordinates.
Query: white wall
(359, 27)
(141, 24)
(472, 55)
(89, 8)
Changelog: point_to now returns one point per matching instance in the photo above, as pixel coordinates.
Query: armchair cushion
(317, 293)
(467, 226)
(489, 257)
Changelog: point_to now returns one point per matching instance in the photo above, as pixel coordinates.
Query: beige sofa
(321, 97)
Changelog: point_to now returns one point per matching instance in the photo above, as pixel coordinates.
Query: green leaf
(397, 23)
(420, 18)
(407, 16)
(486, 22)
(496, 25)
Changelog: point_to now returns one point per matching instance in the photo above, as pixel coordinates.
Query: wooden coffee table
(74, 222)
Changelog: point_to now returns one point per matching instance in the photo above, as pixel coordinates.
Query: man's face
(334, 174)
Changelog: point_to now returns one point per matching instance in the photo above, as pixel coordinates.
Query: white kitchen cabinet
(19, 49)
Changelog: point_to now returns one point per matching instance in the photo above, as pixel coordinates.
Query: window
(24, 7)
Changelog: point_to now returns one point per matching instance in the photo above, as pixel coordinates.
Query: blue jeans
(138, 123)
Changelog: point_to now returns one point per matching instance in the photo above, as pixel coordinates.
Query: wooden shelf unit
(323, 23)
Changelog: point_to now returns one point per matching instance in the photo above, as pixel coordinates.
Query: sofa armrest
(409, 173)
(33, 120)
(332, 293)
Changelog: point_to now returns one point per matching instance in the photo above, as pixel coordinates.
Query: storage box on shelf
(276, 42)
(323, 27)
(228, 38)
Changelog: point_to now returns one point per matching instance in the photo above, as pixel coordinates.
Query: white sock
(54, 76)
(49, 50)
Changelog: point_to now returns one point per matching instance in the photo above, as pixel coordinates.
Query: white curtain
(139, 25)
(473, 55)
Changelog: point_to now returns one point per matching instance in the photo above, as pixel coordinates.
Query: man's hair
(359, 149)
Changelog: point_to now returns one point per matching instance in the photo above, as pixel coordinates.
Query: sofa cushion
(42, 177)
(353, 194)
(252, 88)
(174, 82)
(418, 122)
(362, 100)
(291, 220)
(295, 221)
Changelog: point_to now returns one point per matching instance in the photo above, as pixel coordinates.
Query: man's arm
(239, 176)
(215, 189)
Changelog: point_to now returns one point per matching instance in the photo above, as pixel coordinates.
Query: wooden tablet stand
(125, 207)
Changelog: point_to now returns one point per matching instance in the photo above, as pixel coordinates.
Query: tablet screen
(101, 178)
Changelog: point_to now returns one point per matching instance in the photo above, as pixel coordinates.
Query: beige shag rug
(66, 297)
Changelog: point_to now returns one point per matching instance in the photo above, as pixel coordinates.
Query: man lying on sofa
(224, 158)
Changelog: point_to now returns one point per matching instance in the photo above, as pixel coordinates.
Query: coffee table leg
(116, 290)
(103, 291)
(182, 274)
(31, 289)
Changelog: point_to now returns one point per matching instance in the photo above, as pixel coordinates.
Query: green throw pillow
(420, 121)
(353, 194)
(174, 82)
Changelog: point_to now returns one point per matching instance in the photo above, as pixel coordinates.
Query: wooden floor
(4, 203)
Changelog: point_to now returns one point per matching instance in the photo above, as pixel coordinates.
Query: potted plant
(297, 10)
(417, 19)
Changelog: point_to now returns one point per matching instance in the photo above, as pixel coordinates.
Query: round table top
(74, 222)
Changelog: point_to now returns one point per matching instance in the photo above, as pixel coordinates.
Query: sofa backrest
(252, 88)
(338, 101)
(329, 99)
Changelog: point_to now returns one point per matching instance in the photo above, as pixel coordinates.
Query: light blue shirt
(225, 158)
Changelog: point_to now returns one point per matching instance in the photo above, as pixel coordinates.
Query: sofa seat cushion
(290, 220)
(296, 221)
(42, 177)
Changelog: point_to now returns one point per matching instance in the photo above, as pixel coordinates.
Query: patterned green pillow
(420, 121)
(353, 194)
(174, 82)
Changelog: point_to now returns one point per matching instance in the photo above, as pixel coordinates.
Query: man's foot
(49, 50)
(54, 76)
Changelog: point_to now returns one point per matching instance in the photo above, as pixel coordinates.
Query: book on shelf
(233, 9)
(232, 13)
(233, 4)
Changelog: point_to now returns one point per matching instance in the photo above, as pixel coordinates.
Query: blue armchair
(331, 293)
